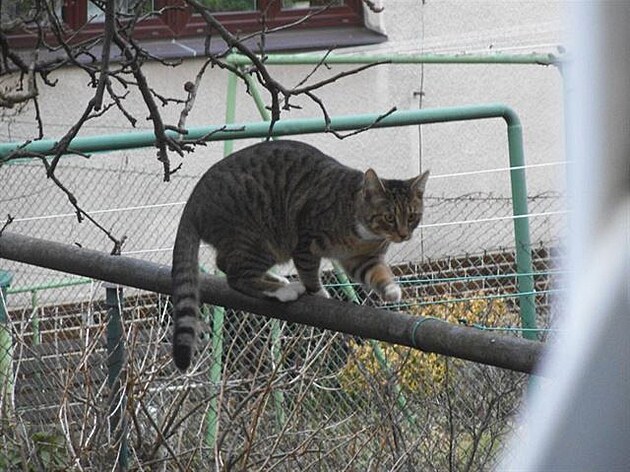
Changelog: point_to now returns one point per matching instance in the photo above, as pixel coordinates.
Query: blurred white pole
(580, 420)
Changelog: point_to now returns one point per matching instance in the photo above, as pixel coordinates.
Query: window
(84, 18)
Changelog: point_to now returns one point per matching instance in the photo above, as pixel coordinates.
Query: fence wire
(262, 394)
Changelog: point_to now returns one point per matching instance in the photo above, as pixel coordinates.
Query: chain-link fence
(82, 391)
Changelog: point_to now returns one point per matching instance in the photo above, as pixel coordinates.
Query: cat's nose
(404, 234)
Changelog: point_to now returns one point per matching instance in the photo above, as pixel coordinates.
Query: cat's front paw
(391, 293)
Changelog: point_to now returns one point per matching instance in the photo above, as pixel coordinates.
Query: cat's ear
(418, 184)
(372, 185)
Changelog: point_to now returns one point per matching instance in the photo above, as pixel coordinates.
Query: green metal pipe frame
(230, 110)
(139, 139)
(215, 318)
(115, 362)
(352, 122)
(336, 58)
(6, 350)
(525, 280)
(143, 139)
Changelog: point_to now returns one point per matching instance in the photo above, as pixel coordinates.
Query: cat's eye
(412, 217)
(389, 218)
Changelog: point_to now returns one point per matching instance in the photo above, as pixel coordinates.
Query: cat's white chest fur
(365, 234)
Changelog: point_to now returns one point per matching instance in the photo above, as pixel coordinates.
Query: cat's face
(391, 209)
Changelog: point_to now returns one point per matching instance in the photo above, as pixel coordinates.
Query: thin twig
(361, 130)
(341, 75)
(161, 440)
(79, 211)
(7, 222)
(191, 88)
(322, 62)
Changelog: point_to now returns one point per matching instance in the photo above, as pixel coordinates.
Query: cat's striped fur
(283, 200)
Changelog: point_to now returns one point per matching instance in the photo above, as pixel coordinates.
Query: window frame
(185, 24)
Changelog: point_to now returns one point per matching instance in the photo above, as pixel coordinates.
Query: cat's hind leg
(248, 273)
(307, 266)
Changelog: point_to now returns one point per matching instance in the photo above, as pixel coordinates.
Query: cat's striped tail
(185, 292)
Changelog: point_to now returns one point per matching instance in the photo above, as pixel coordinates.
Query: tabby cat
(282, 200)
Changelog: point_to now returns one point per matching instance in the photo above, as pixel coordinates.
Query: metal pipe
(6, 351)
(139, 139)
(230, 110)
(524, 265)
(115, 361)
(258, 100)
(37, 335)
(422, 333)
(216, 370)
(277, 358)
(396, 58)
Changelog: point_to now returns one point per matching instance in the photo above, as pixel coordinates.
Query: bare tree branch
(191, 88)
(10, 99)
(103, 80)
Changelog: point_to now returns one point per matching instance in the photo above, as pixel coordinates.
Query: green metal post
(6, 350)
(524, 265)
(258, 100)
(230, 110)
(351, 293)
(217, 313)
(276, 357)
(115, 360)
(216, 367)
(37, 337)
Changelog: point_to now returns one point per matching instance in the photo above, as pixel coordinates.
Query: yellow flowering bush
(410, 369)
